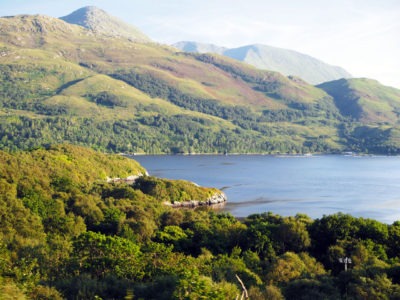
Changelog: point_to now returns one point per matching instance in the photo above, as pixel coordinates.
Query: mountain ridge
(285, 61)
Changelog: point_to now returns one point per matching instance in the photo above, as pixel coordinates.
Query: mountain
(101, 22)
(284, 61)
(63, 82)
(199, 47)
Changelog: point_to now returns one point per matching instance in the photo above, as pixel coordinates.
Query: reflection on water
(317, 185)
(257, 201)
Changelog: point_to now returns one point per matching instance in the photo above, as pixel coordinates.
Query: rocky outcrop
(130, 179)
(218, 198)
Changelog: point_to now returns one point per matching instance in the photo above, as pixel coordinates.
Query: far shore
(257, 154)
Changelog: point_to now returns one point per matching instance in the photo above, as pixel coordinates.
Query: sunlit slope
(109, 55)
(63, 82)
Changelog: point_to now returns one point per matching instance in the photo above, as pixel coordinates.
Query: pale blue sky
(362, 36)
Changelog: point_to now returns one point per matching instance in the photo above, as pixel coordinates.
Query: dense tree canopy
(68, 231)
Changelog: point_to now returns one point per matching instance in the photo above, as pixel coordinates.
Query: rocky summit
(99, 21)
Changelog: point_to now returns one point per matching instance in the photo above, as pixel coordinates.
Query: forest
(31, 115)
(71, 227)
(28, 121)
(152, 131)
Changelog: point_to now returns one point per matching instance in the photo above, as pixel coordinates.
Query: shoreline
(282, 155)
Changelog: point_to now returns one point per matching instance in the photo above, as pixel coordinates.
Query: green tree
(292, 235)
(99, 255)
(394, 240)
(174, 235)
(329, 230)
(315, 288)
(290, 266)
(194, 286)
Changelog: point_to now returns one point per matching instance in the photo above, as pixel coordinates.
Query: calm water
(362, 186)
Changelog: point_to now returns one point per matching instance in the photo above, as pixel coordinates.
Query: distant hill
(284, 61)
(101, 22)
(200, 47)
(63, 82)
(374, 111)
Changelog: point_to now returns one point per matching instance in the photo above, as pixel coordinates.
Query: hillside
(287, 62)
(54, 198)
(60, 83)
(365, 100)
(81, 167)
(374, 111)
(68, 233)
(135, 97)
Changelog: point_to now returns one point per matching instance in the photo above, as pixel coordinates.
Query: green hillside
(365, 100)
(60, 83)
(52, 198)
(67, 231)
(374, 111)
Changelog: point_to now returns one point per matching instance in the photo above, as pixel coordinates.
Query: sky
(362, 36)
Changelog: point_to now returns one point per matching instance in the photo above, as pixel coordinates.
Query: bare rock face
(216, 199)
(100, 22)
